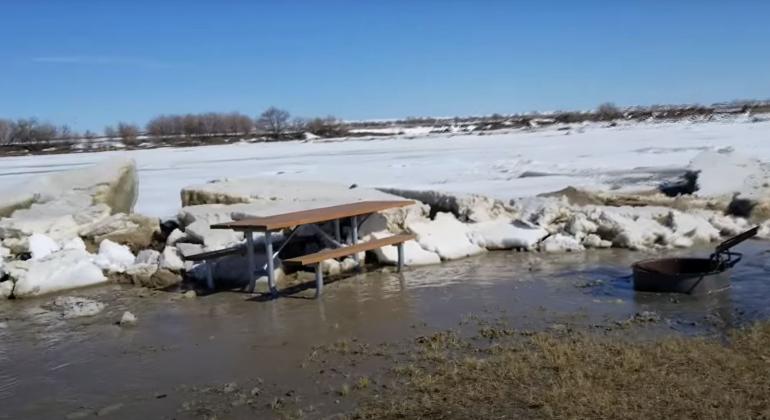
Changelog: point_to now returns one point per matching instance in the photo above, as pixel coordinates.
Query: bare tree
(89, 135)
(110, 132)
(7, 127)
(196, 125)
(32, 132)
(299, 124)
(128, 132)
(65, 132)
(608, 111)
(274, 121)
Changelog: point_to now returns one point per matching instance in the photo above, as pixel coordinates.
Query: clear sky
(90, 63)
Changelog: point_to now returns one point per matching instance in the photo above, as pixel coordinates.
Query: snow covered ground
(501, 165)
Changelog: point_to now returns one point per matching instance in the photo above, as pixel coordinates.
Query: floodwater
(183, 350)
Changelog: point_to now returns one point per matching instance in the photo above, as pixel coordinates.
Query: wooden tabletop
(305, 217)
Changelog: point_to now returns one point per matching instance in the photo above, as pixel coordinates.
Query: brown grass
(504, 375)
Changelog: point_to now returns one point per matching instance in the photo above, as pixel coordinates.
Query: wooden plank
(216, 254)
(349, 250)
(304, 217)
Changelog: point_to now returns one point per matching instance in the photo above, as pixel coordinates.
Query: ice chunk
(414, 254)
(595, 241)
(175, 236)
(41, 246)
(331, 267)
(502, 234)
(114, 257)
(727, 173)
(112, 182)
(446, 236)
(579, 226)
(75, 244)
(134, 230)
(6, 289)
(147, 256)
(170, 259)
(213, 239)
(466, 207)
(62, 270)
(561, 243)
(691, 226)
(128, 319)
(638, 233)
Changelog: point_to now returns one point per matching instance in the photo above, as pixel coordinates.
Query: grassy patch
(544, 375)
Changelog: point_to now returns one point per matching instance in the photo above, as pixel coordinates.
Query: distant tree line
(274, 123)
(277, 124)
(32, 131)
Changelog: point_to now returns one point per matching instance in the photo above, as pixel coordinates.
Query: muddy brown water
(182, 350)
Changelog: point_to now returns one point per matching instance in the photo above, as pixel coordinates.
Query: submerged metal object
(695, 276)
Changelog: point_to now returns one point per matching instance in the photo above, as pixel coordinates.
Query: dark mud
(229, 355)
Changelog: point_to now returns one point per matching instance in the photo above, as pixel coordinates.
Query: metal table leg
(252, 267)
(400, 256)
(337, 230)
(354, 223)
(270, 263)
(319, 280)
(209, 274)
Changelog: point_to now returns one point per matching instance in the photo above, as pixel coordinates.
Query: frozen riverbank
(501, 165)
(459, 210)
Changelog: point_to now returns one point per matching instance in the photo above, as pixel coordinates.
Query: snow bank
(466, 207)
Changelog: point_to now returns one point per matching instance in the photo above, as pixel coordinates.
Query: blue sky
(90, 63)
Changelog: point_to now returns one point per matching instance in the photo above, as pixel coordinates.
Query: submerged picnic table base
(310, 218)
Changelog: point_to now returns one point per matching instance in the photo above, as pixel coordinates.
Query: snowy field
(503, 165)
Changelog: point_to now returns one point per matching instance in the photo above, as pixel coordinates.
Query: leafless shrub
(326, 127)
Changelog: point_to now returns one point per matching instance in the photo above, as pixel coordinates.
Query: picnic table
(356, 213)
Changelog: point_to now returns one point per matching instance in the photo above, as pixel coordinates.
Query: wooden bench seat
(348, 250)
(318, 257)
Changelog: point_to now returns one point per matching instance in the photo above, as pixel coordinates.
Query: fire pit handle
(729, 262)
(735, 240)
